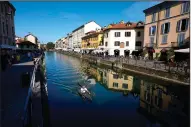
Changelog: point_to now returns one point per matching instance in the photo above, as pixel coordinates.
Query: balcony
(174, 44)
(150, 45)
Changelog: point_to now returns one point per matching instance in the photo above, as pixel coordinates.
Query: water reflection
(167, 105)
(120, 99)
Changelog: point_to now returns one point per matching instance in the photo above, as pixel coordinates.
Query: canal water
(119, 100)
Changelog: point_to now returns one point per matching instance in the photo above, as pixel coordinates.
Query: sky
(50, 21)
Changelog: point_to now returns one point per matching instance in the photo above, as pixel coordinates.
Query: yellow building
(92, 40)
(167, 25)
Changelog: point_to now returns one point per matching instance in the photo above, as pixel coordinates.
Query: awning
(187, 50)
(3, 46)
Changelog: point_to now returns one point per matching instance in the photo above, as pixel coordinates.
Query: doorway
(116, 53)
(126, 53)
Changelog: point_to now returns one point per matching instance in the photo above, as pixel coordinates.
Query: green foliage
(50, 45)
(170, 53)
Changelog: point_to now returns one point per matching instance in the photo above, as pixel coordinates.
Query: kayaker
(84, 90)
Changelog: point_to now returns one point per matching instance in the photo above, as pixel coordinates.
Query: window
(106, 35)
(105, 43)
(127, 43)
(182, 25)
(138, 34)
(153, 17)
(165, 28)
(117, 43)
(151, 40)
(138, 43)
(185, 7)
(167, 13)
(164, 39)
(152, 30)
(115, 76)
(117, 34)
(181, 38)
(125, 77)
(115, 84)
(127, 34)
(125, 86)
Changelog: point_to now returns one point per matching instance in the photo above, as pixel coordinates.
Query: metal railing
(27, 116)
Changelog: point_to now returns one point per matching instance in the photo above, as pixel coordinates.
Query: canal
(119, 99)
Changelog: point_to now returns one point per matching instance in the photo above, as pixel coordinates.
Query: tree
(50, 45)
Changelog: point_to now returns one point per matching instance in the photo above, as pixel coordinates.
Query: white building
(78, 33)
(58, 44)
(30, 37)
(70, 44)
(7, 25)
(123, 38)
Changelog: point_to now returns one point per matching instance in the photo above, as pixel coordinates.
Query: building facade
(122, 38)
(70, 44)
(167, 24)
(7, 25)
(59, 44)
(92, 40)
(30, 37)
(78, 33)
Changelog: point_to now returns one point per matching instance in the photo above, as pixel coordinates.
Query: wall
(91, 26)
(111, 40)
(31, 39)
(175, 16)
(4, 38)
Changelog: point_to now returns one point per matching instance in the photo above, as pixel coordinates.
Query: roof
(82, 26)
(160, 6)
(30, 34)
(92, 33)
(23, 42)
(128, 25)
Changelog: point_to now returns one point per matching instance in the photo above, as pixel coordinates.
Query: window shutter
(149, 30)
(182, 7)
(187, 21)
(162, 28)
(168, 26)
(178, 26)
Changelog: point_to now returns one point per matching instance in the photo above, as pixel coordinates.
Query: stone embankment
(150, 73)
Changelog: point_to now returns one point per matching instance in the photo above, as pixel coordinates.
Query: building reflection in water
(166, 106)
(116, 81)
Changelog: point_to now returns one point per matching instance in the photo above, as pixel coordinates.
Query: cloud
(135, 11)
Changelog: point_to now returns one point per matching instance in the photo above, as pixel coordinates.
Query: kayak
(85, 95)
